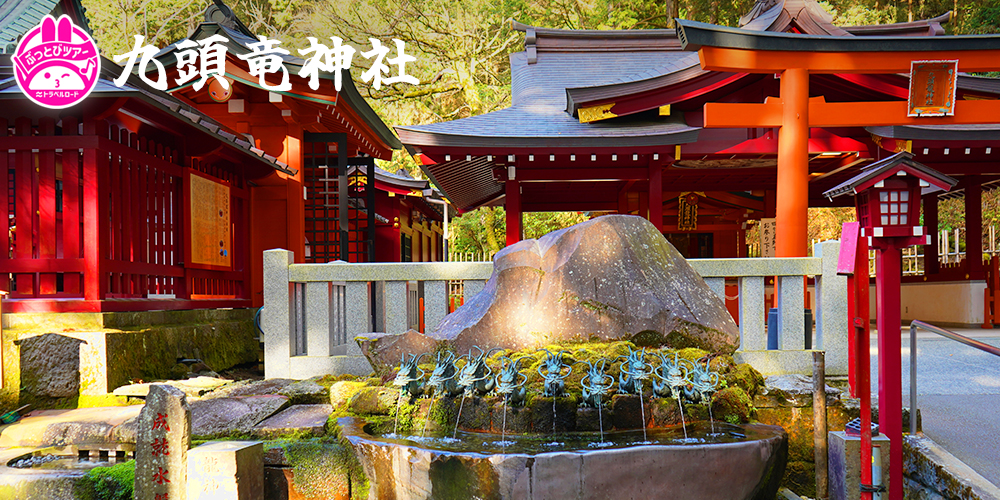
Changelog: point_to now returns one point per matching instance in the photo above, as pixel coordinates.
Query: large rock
(222, 417)
(613, 277)
(307, 419)
(384, 351)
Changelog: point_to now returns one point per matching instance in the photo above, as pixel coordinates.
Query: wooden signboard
(932, 88)
(687, 212)
(768, 237)
(209, 229)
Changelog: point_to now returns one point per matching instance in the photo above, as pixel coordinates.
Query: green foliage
(107, 483)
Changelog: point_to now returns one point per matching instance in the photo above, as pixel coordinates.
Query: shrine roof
(135, 87)
(17, 17)
(403, 184)
(694, 35)
(990, 132)
(219, 19)
(537, 116)
(888, 167)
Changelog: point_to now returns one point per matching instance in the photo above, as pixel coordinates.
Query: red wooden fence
(97, 215)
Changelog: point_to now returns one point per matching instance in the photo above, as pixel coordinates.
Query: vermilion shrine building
(145, 200)
(615, 121)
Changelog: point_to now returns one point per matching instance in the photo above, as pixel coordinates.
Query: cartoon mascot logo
(56, 63)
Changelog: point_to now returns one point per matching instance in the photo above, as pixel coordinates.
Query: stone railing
(312, 312)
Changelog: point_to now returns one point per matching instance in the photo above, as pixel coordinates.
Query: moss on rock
(745, 377)
(107, 483)
(324, 469)
(733, 405)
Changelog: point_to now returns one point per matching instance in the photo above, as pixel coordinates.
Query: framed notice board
(208, 222)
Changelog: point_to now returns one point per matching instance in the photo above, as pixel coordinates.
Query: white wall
(958, 303)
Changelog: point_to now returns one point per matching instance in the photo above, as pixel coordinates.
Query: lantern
(887, 197)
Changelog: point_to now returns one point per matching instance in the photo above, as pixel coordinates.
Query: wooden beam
(529, 174)
(776, 61)
(846, 114)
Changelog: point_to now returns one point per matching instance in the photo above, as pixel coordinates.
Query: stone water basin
(29, 472)
(741, 462)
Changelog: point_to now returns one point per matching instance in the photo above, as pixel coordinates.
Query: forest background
(462, 50)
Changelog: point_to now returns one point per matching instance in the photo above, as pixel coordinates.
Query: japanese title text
(201, 60)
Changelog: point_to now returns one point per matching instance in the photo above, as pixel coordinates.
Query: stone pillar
(844, 463)
(226, 470)
(274, 318)
(162, 442)
(831, 314)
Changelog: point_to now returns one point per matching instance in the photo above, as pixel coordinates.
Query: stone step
(303, 367)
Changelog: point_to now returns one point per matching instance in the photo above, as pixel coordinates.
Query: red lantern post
(887, 196)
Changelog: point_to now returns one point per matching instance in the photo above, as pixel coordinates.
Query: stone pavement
(958, 393)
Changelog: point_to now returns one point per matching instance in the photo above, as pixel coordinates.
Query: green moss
(688, 334)
(328, 380)
(649, 338)
(747, 378)
(692, 353)
(732, 403)
(324, 469)
(107, 483)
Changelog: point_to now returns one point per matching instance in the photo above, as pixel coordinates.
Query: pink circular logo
(56, 63)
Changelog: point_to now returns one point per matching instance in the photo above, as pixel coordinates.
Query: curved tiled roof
(537, 116)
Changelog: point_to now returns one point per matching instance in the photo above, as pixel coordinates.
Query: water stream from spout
(600, 418)
(642, 412)
(710, 417)
(459, 419)
(503, 428)
(553, 415)
(681, 406)
(429, 409)
(399, 401)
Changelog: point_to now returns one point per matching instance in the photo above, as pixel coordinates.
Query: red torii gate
(794, 57)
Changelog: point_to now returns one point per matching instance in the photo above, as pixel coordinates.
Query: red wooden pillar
(95, 190)
(46, 170)
(71, 207)
(4, 213)
(862, 355)
(25, 184)
(932, 265)
(890, 387)
(513, 208)
(974, 225)
(793, 165)
(296, 221)
(656, 195)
